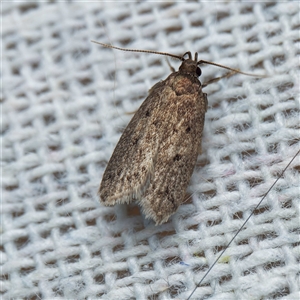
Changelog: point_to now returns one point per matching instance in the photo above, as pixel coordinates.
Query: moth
(155, 157)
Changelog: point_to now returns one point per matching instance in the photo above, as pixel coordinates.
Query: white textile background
(65, 103)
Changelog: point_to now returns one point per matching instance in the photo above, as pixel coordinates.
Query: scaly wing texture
(156, 155)
(131, 165)
(184, 107)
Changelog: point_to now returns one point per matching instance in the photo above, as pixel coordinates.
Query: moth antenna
(178, 57)
(138, 50)
(228, 68)
(251, 214)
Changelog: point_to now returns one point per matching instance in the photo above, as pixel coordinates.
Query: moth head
(190, 65)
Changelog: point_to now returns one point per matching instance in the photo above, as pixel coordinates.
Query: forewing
(177, 154)
(131, 166)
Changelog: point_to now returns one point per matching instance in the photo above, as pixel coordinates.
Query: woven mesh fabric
(66, 102)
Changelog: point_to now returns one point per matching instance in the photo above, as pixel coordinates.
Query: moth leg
(227, 75)
(170, 66)
(131, 112)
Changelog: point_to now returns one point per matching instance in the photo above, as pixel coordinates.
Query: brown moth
(157, 152)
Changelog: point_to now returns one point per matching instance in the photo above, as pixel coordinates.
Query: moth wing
(176, 157)
(137, 150)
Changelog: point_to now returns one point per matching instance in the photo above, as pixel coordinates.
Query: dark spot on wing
(177, 157)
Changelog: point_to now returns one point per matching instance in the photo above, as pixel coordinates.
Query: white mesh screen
(66, 102)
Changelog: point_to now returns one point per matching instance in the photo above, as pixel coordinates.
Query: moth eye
(198, 71)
